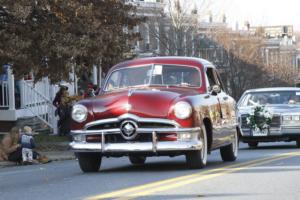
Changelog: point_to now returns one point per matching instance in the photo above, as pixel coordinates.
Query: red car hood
(147, 102)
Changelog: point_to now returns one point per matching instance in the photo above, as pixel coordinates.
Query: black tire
(230, 152)
(197, 159)
(253, 145)
(89, 162)
(298, 142)
(137, 160)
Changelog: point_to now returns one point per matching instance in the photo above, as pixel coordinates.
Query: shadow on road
(269, 169)
(194, 196)
(269, 146)
(160, 166)
(215, 161)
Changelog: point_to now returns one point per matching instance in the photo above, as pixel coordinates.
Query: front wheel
(198, 159)
(230, 152)
(137, 160)
(89, 162)
(298, 142)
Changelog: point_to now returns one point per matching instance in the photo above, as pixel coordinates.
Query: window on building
(285, 29)
(298, 63)
(147, 46)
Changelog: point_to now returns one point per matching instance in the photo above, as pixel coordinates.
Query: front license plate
(263, 132)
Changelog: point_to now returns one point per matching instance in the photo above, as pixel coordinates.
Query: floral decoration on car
(260, 118)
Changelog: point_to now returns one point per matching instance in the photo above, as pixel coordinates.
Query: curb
(53, 156)
(59, 158)
(7, 164)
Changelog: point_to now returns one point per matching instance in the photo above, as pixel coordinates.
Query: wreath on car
(260, 118)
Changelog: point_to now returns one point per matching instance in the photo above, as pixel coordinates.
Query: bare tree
(248, 66)
(244, 60)
(281, 66)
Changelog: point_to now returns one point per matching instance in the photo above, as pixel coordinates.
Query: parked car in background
(277, 112)
(162, 106)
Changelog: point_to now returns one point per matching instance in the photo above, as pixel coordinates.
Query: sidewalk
(53, 154)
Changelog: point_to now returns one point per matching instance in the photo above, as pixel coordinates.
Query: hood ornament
(130, 92)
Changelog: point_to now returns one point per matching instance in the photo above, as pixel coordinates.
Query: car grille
(117, 138)
(275, 123)
(244, 121)
(140, 125)
(104, 126)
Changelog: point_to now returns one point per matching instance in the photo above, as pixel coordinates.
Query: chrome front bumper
(181, 144)
(282, 131)
(136, 147)
(132, 146)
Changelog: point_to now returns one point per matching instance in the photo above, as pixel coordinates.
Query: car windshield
(163, 75)
(267, 98)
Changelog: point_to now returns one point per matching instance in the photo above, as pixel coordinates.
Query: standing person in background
(58, 95)
(65, 110)
(57, 103)
(65, 113)
(90, 91)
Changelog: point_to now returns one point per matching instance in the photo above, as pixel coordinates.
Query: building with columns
(164, 35)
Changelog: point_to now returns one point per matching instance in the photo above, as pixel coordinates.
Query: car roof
(165, 60)
(273, 89)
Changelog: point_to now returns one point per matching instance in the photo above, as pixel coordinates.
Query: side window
(211, 79)
(220, 81)
(114, 81)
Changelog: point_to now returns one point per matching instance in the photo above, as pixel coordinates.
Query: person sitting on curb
(13, 149)
(27, 144)
(29, 154)
(10, 145)
(3, 155)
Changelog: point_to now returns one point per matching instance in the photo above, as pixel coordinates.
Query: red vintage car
(156, 107)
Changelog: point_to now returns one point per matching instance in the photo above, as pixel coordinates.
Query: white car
(269, 115)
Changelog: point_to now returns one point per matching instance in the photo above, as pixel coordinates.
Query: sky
(259, 12)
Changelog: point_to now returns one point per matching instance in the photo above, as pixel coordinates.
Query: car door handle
(225, 98)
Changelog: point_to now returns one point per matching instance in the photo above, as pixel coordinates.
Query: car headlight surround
(287, 118)
(182, 110)
(295, 117)
(291, 119)
(79, 113)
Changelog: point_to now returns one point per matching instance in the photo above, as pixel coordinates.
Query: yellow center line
(167, 184)
(190, 181)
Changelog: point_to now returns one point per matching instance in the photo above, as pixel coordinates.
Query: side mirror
(216, 89)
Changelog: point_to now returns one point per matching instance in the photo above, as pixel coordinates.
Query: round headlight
(79, 113)
(182, 110)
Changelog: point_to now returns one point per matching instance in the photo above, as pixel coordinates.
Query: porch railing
(4, 98)
(34, 97)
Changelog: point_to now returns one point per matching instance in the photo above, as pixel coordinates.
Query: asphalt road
(270, 172)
